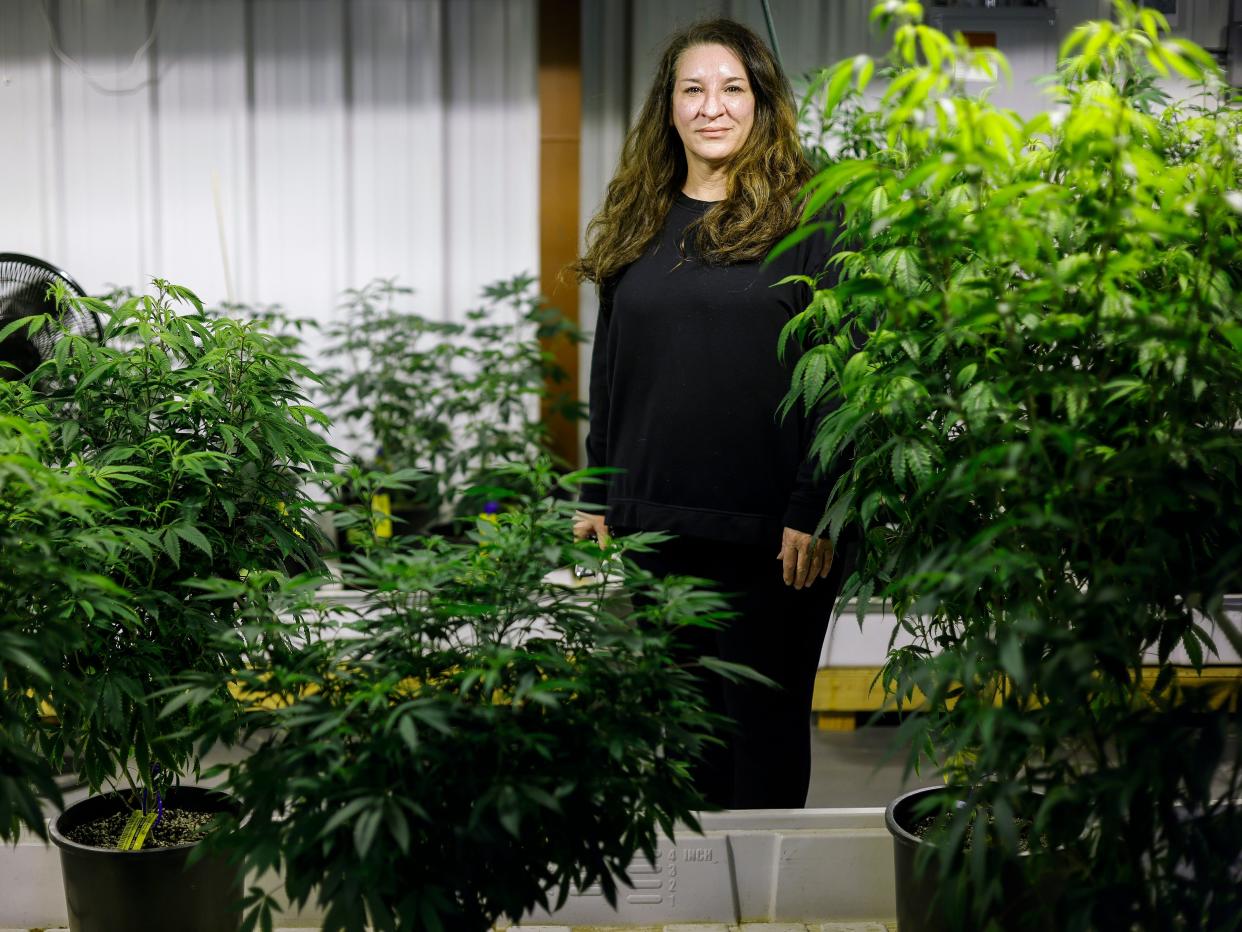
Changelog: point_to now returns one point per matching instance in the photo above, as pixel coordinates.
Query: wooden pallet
(842, 694)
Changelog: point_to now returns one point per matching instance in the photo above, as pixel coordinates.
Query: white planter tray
(775, 865)
(758, 866)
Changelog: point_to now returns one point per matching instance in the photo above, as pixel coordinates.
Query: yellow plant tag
(284, 510)
(381, 511)
(130, 831)
(144, 829)
(136, 830)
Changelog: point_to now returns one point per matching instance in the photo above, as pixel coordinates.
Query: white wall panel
(397, 138)
(29, 193)
(493, 195)
(346, 139)
(298, 120)
(105, 141)
(202, 145)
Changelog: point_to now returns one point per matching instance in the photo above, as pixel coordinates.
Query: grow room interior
(298, 424)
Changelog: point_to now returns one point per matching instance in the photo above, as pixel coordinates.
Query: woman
(686, 382)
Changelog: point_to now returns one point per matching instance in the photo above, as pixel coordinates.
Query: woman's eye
(733, 87)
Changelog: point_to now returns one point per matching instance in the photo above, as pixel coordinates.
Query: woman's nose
(711, 106)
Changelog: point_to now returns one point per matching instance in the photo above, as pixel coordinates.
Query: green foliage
(1041, 446)
(474, 737)
(457, 401)
(53, 527)
(188, 444)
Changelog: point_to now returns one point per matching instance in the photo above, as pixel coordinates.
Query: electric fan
(24, 282)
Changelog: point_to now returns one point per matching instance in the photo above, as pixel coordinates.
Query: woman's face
(713, 104)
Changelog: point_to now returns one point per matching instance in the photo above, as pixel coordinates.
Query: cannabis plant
(457, 401)
(476, 739)
(198, 442)
(1040, 442)
(54, 526)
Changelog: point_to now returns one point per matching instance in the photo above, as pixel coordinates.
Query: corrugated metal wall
(313, 144)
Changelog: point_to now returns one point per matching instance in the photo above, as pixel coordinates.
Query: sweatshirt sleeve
(809, 498)
(596, 492)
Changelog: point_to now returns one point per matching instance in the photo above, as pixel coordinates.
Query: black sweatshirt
(685, 387)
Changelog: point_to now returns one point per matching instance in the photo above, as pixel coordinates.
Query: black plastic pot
(146, 891)
(914, 892)
(1023, 904)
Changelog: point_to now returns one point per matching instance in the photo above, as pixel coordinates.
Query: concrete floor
(853, 769)
(858, 768)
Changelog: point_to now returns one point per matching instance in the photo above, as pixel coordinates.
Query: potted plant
(199, 443)
(475, 739)
(1041, 446)
(455, 401)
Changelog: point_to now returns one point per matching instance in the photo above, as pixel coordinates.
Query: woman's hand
(587, 525)
(805, 558)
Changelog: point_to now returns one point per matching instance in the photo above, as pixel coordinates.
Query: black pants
(779, 631)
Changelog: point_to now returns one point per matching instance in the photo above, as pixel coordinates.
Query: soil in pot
(173, 827)
(931, 824)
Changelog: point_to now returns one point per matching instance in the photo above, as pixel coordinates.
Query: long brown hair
(761, 203)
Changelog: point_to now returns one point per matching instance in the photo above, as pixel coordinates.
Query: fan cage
(24, 284)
